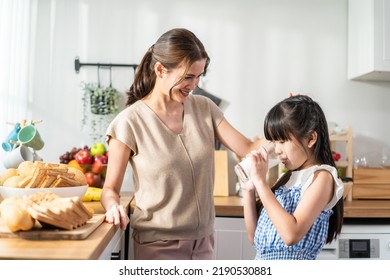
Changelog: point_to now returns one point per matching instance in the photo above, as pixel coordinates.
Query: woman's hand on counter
(117, 215)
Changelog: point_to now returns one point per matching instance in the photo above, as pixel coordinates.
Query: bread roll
(78, 175)
(13, 181)
(26, 168)
(10, 172)
(14, 215)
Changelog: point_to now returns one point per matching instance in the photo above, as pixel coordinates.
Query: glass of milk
(242, 169)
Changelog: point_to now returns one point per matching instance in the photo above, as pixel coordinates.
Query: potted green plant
(100, 105)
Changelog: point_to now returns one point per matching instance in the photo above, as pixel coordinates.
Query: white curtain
(16, 27)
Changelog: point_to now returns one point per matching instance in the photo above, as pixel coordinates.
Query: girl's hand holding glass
(247, 186)
(243, 169)
(259, 165)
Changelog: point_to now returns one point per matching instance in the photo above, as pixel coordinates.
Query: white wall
(260, 51)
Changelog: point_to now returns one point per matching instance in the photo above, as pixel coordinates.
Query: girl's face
(295, 155)
(187, 85)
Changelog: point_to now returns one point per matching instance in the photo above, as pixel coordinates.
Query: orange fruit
(75, 164)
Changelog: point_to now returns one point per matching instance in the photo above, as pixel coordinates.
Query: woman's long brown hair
(174, 48)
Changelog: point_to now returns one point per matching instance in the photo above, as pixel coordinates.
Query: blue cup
(8, 144)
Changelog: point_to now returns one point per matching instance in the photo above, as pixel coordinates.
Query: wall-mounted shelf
(78, 65)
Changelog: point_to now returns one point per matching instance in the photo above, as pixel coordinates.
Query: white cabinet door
(329, 251)
(369, 40)
(231, 240)
(115, 249)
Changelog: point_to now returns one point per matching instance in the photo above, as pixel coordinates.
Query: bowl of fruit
(92, 161)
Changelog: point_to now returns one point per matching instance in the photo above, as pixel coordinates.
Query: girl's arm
(292, 227)
(250, 213)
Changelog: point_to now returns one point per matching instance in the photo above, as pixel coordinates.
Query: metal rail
(78, 65)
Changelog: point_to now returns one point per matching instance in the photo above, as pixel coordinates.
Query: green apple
(98, 149)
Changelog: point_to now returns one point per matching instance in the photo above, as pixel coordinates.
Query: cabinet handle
(116, 255)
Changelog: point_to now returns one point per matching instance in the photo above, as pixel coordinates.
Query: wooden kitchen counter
(228, 206)
(88, 249)
(232, 206)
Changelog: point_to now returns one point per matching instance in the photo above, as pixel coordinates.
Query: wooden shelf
(347, 162)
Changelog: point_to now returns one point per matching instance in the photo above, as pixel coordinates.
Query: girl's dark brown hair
(174, 48)
(298, 116)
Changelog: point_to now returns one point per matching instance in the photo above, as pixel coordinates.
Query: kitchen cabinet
(369, 40)
(115, 250)
(231, 240)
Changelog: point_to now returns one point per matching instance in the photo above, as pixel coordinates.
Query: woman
(168, 136)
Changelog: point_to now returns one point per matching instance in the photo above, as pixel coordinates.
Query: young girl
(304, 209)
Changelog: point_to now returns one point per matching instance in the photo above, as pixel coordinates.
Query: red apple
(336, 156)
(99, 164)
(84, 157)
(101, 158)
(97, 167)
(93, 180)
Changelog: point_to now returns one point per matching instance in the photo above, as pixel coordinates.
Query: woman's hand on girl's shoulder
(293, 94)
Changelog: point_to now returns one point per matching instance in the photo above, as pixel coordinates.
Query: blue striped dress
(267, 241)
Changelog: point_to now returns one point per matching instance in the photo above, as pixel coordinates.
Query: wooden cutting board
(54, 234)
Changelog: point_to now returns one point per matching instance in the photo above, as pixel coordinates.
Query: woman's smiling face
(188, 82)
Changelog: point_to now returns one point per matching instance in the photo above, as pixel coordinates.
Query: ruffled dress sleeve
(338, 184)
